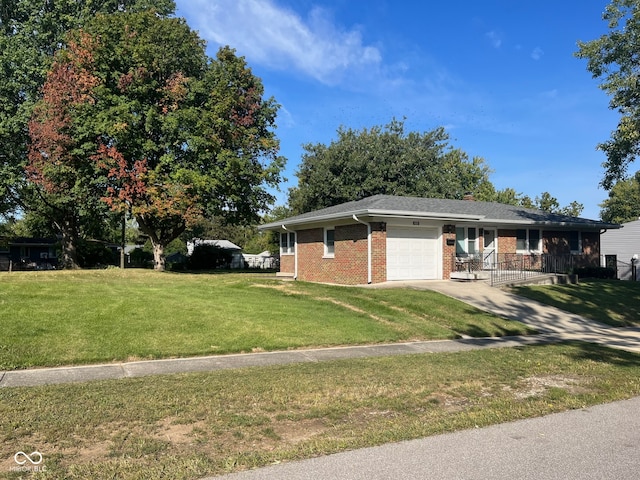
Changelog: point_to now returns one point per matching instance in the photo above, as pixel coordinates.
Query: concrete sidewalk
(48, 376)
(553, 324)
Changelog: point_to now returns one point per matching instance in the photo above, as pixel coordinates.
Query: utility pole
(122, 239)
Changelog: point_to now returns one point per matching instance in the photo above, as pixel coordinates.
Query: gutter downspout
(295, 252)
(369, 275)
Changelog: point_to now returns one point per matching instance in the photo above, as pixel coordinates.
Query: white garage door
(412, 253)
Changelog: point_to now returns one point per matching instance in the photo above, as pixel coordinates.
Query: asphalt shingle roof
(436, 207)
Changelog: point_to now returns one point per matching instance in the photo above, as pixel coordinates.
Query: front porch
(511, 268)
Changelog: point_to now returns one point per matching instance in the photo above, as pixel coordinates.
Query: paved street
(597, 443)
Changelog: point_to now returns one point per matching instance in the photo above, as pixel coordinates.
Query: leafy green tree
(31, 31)
(507, 196)
(613, 58)
(623, 204)
(574, 209)
(548, 203)
(173, 134)
(385, 160)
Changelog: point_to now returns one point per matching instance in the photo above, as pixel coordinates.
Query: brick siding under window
(349, 264)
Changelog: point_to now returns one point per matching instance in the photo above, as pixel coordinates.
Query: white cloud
(495, 38)
(279, 38)
(537, 53)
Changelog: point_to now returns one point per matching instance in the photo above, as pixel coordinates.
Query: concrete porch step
(480, 275)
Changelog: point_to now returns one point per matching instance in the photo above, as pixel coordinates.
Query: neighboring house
(619, 247)
(262, 260)
(384, 238)
(24, 253)
(235, 251)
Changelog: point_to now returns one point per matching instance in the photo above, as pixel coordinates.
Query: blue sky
(499, 75)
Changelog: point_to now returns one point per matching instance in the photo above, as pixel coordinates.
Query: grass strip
(192, 425)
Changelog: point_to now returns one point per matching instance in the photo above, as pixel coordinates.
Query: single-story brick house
(383, 238)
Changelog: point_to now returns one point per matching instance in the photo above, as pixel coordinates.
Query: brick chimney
(468, 196)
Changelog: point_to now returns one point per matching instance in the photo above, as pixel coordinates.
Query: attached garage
(412, 253)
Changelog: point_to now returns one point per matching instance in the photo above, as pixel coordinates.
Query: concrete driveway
(544, 318)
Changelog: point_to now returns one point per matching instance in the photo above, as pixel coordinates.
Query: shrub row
(595, 272)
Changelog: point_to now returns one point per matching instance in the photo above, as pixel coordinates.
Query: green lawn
(193, 425)
(81, 317)
(612, 302)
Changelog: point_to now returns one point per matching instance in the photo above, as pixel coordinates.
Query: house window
(528, 241)
(574, 242)
(534, 240)
(460, 241)
(329, 242)
(287, 243)
(472, 240)
(466, 240)
(521, 240)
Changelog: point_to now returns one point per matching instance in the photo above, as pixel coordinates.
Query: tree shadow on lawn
(613, 302)
(600, 354)
(502, 327)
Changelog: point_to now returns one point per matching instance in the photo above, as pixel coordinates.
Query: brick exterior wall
(378, 252)
(349, 263)
(591, 247)
(556, 243)
(448, 251)
(506, 241)
(287, 264)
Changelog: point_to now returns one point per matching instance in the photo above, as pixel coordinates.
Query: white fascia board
(547, 223)
(284, 224)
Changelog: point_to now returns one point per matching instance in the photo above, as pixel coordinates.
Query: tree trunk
(68, 245)
(160, 238)
(158, 257)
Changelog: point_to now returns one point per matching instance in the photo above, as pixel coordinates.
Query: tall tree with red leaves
(174, 135)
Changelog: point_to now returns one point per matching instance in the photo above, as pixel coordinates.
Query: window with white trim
(466, 240)
(528, 241)
(329, 242)
(287, 243)
(472, 240)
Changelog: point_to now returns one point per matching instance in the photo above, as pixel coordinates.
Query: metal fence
(512, 267)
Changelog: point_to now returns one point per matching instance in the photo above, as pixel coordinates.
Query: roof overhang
(294, 223)
(364, 215)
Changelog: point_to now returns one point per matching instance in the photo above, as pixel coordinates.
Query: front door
(490, 248)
